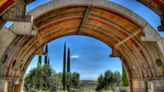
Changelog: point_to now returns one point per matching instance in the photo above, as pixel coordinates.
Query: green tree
(124, 77)
(39, 60)
(30, 82)
(100, 83)
(116, 80)
(68, 70)
(46, 55)
(75, 80)
(108, 81)
(39, 78)
(64, 69)
(108, 78)
(48, 61)
(57, 79)
(46, 74)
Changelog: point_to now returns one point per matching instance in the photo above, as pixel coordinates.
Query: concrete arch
(131, 38)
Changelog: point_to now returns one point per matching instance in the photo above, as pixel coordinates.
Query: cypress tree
(124, 77)
(68, 61)
(64, 68)
(39, 60)
(68, 70)
(48, 61)
(46, 56)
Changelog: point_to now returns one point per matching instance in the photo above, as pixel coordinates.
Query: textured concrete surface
(6, 37)
(23, 28)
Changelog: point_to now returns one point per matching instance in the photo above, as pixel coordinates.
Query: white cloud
(74, 56)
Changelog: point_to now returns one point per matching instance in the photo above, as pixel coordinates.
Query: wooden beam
(115, 53)
(17, 13)
(127, 38)
(5, 5)
(38, 35)
(26, 18)
(40, 51)
(85, 19)
(29, 1)
(8, 77)
(2, 23)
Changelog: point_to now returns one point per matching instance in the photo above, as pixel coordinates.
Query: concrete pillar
(148, 85)
(6, 37)
(5, 85)
(138, 86)
(156, 85)
(16, 85)
(22, 86)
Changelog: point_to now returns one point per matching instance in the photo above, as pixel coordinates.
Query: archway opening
(89, 57)
(132, 38)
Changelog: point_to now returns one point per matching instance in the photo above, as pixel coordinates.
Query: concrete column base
(138, 86)
(10, 85)
(125, 89)
(156, 86)
(148, 86)
(4, 85)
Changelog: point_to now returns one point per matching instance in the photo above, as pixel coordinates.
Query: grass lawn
(78, 91)
(86, 91)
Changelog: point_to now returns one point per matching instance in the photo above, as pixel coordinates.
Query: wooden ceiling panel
(5, 5)
(61, 25)
(159, 2)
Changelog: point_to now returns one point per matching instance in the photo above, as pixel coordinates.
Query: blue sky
(90, 57)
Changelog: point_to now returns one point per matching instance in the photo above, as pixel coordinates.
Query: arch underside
(112, 28)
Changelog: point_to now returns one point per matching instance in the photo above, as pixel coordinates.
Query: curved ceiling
(155, 5)
(114, 25)
(117, 31)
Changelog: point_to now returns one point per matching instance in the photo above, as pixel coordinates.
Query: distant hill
(88, 84)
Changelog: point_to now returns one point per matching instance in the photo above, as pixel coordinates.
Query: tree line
(112, 80)
(108, 81)
(43, 77)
